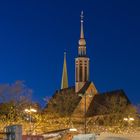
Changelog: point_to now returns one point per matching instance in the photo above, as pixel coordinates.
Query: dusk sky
(35, 33)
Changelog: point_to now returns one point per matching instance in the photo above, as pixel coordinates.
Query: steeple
(82, 42)
(64, 81)
(82, 61)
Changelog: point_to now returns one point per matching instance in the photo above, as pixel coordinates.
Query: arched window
(86, 73)
(80, 73)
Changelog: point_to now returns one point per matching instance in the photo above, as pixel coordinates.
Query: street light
(129, 119)
(30, 110)
(125, 119)
(85, 104)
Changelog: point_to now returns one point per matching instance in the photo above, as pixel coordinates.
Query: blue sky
(35, 33)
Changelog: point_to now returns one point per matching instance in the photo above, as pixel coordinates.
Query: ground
(67, 135)
(111, 136)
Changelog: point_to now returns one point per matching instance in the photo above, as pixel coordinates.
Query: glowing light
(131, 119)
(33, 110)
(26, 110)
(30, 110)
(73, 129)
(125, 119)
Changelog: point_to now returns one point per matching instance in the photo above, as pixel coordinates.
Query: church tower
(64, 81)
(82, 61)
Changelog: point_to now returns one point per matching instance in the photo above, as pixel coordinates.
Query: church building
(83, 98)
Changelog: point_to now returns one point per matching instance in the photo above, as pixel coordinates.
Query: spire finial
(82, 16)
(82, 30)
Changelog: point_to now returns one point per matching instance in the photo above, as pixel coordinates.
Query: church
(83, 99)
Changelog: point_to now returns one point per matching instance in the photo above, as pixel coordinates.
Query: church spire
(82, 61)
(64, 82)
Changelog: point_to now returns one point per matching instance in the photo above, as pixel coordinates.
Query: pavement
(109, 136)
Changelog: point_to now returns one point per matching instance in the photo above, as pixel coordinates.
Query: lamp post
(30, 110)
(85, 109)
(128, 119)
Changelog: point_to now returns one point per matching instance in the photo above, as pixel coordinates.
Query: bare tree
(14, 99)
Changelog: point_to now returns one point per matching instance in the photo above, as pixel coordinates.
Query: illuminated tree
(63, 103)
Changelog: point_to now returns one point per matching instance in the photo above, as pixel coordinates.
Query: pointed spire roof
(82, 41)
(64, 81)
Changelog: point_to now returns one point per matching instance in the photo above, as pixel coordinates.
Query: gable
(91, 89)
(88, 91)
